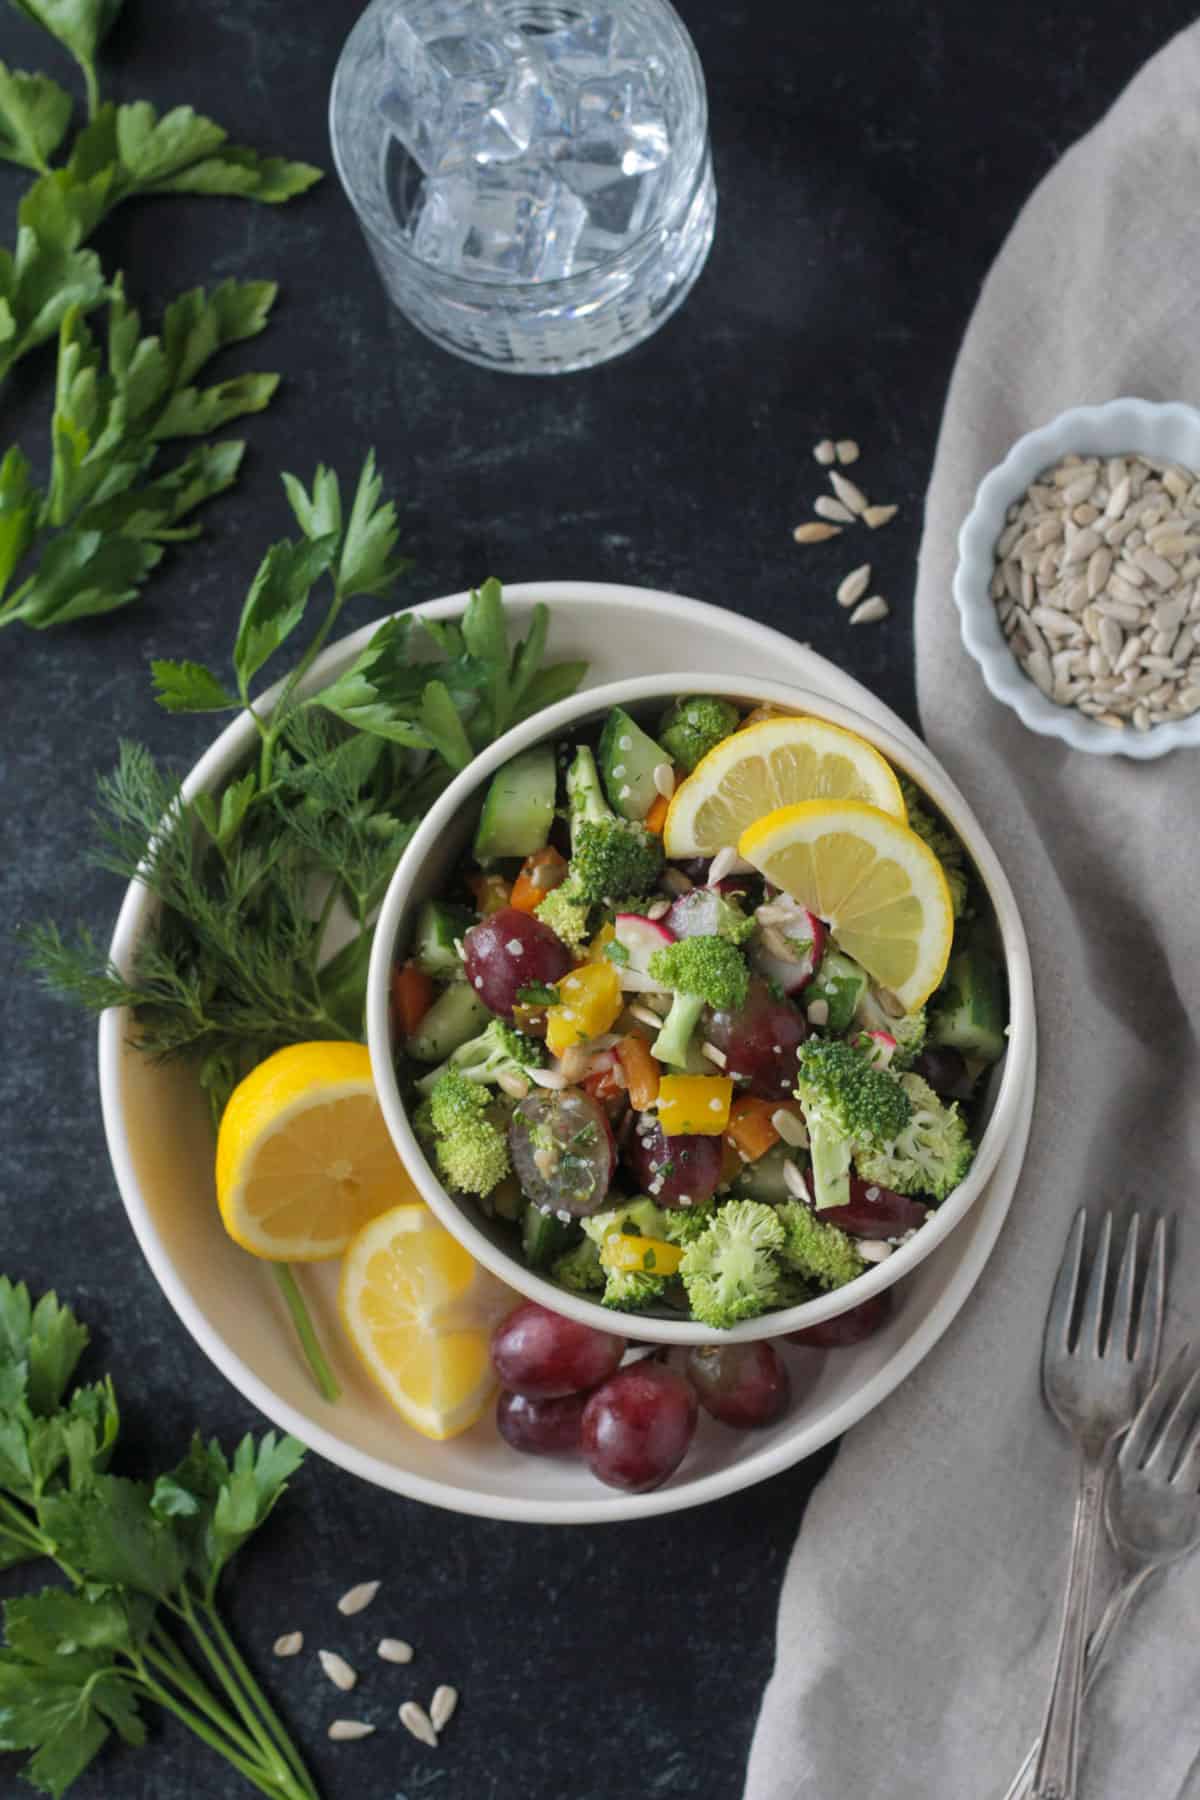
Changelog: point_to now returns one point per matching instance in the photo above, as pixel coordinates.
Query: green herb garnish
(537, 993)
(139, 1622)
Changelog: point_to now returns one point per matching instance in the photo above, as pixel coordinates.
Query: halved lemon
(419, 1313)
(303, 1155)
(778, 762)
(874, 882)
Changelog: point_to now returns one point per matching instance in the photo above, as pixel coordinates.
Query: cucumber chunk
(764, 1179)
(969, 1011)
(841, 983)
(627, 759)
(433, 940)
(518, 809)
(544, 1238)
(456, 1015)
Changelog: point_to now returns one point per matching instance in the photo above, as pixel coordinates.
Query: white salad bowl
(161, 1144)
(423, 873)
(1167, 430)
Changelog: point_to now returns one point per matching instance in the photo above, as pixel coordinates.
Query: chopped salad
(666, 1073)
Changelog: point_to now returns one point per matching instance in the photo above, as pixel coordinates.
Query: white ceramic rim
(557, 721)
(1151, 427)
(223, 755)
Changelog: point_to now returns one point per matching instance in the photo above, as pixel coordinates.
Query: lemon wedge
(303, 1155)
(880, 889)
(777, 762)
(419, 1313)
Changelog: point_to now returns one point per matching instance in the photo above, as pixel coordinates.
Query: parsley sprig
(108, 511)
(139, 1621)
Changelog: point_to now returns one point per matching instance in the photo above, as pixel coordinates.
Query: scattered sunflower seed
(825, 452)
(441, 1708)
(714, 1055)
(395, 1650)
(848, 493)
(789, 1127)
(870, 611)
(664, 779)
(875, 516)
(847, 450)
(357, 1599)
(337, 1669)
(826, 507)
(414, 1718)
(793, 1180)
(814, 532)
(854, 586)
(348, 1731)
(291, 1644)
(817, 1012)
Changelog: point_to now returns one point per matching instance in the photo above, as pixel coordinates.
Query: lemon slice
(879, 888)
(779, 762)
(419, 1313)
(303, 1155)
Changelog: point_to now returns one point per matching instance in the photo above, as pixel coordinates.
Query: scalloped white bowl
(1170, 430)
(432, 855)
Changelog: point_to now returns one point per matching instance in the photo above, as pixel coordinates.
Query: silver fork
(1093, 1383)
(1152, 1509)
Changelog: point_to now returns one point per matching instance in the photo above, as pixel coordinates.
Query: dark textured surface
(869, 161)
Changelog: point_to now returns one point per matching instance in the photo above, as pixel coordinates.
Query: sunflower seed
(847, 450)
(547, 1078)
(847, 492)
(854, 586)
(875, 516)
(714, 1055)
(825, 452)
(1176, 482)
(793, 1179)
(873, 1250)
(664, 779)
(644, 1016)
(815, 532)
(348, 1731)
(414, 1718)
(357, 1599)
(869, 612)
(337, 1669)
(817, 1012)
(721, 864)
(291, 1644)
(790, 1128)
(1160, 571)
(514, 1085)
(395, 1650)
(441, 1707)
(829, 508)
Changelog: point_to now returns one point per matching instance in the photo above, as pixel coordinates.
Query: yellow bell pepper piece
(694, 1104)
(595, 950)
(589, 1002)
(653, 1255)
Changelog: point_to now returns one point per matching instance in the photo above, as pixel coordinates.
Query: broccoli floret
(580, 1269)
(498, 1050)
(612, 860)
(700, 971)
(821, 1253)
(470, 1149)
(942, 842)
(731, 1270)
(633, 1288)
(566, 915)
(909, 1033)
(848, 1105)
(691, 727)
(929, 1155)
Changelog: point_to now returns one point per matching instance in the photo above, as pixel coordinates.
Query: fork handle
(1055, 1776)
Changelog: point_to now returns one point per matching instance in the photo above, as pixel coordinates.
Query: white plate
(160, 1142)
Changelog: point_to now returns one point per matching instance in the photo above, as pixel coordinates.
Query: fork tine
(1176, 1427)
(1093, 1300)
(1150, 1311)
(1187, 1471)
(1142, 1432)
(1066, 1286)
(1122, 1312)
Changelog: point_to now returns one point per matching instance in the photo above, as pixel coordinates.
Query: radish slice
(882, 1048)
(641, 937)
(780, 924)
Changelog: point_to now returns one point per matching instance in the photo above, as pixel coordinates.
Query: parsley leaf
(80, 26)
(190, 687)
(34, 115)
(40, 283)
(277, 600)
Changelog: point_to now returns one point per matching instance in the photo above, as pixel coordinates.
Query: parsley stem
(18, 1524)
(164, 1654)
(93, 88)
(267, 1750)
(253, 1773)
(297, 1306)
(271, 1719)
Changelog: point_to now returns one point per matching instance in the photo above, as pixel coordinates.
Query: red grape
(944, 1068)
(542, 1355)
(510, 950)
(637, 1427)
(851, 1327)
(760, 1040)
(563, 1150)
(743, 1385)
(541, 1427)
(674, 1171)
(875, 1212)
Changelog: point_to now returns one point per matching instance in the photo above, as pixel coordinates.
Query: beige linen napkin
(920, 1611)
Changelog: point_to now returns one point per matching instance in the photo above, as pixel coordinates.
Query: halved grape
(563, 1151)
(511, 950)
(760, 1041)
(541, 1427)
(637, 1427)
(743, 1385)
(675, 1171)
(944, 1068)
(875, 1212)
(851, 1327)
(541, 1355)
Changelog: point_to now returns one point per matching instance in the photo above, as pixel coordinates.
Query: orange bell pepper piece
(641, 1071)
(750, 1130)
(656, 818)
(411, 998)
(539, 875)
